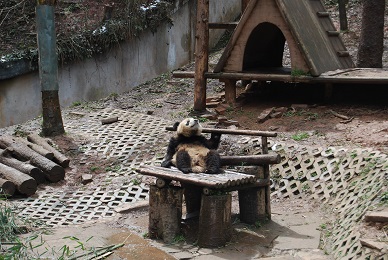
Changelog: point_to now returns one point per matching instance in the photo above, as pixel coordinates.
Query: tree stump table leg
(215, 224)
(252, 205)
(165, 212)
(253, 202)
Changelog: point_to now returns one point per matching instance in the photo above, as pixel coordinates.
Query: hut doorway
(265, 48)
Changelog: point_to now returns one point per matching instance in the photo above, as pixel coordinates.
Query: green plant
(9, 225)
(136, 181)
(76, 104)
(20, 132)
(114, 168)
(94, 168)
(178, 239)
(258, 224)
(298, 73)
(300, 136)
(203, 120)
(384, 198)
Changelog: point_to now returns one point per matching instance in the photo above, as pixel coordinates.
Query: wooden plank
(309, 33)
(215, 181)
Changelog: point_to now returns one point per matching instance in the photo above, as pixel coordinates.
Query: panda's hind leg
(213, 162)
(183, 161)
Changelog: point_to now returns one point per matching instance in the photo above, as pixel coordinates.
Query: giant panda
(190, 151)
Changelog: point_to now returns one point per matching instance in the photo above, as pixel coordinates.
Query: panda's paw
(185, 170)
(166, 164)
(212, 171)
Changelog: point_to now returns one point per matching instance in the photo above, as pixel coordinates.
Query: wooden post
(264, 144)
(230, 91)
(215, 224)
(201, 55)
(48, 68)
(165, 212)
(255, 203)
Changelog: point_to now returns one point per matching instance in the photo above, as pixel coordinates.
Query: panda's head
(189, 127)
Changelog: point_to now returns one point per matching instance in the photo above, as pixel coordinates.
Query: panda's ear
(175, 126)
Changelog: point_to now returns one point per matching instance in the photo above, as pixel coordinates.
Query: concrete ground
(291, 234)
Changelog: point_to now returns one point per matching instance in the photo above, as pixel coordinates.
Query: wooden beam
(288, 78)
(232, 131)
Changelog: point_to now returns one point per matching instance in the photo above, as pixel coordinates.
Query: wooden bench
(210, 194)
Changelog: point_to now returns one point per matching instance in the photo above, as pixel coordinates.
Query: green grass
(300, 136)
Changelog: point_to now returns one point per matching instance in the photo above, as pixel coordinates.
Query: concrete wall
(130, 64)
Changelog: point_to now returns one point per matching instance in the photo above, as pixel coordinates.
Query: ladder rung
(333, 33)
(230, 26)
(323, 14)
(343, 54)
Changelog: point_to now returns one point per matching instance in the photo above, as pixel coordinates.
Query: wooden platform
(345, 76)
(229, 179)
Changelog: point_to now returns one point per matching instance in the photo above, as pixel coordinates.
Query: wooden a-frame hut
(255, 50)
(266, 25)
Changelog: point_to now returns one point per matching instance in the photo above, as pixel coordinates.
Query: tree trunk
(48, 68)
(371, 46)
(58, 157)
(24, 184)
(52, 171)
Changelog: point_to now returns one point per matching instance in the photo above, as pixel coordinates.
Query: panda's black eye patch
(188, 122)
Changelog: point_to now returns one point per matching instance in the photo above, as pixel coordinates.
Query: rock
(220, 110)
(86, 178)
(276, 115)
(210, 116)
(265, 115)
(376, 216)
(212, 104)
(230, 122)
(132, 206)
(373, 244)
(280, 109)
(300, 106)
(222, 119)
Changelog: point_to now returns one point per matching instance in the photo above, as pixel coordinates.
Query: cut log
(58, 157)
(165, 212)
(7, 187)
(24, 167)
(24, 184)
(52, 171)
(215, 225)
(109, 120)
(37, 148)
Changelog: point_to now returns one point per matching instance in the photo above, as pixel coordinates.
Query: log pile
(26, 163)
